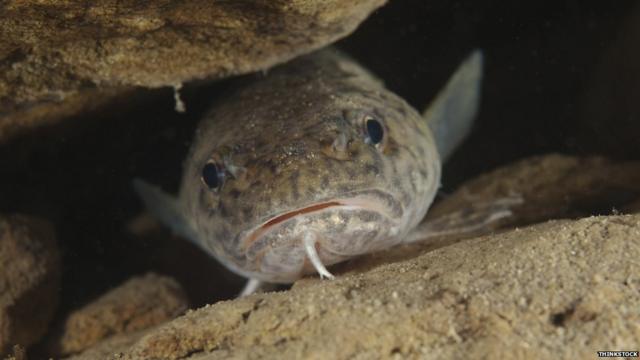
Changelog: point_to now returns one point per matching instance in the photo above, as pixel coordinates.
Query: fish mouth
(378, 201)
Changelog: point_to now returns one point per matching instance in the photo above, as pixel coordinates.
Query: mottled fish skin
(276, 137)
(303, 181)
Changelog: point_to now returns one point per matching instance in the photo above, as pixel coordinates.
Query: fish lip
(356, 199)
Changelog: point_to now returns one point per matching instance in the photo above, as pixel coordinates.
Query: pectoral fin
(165, 208)
(474, 219)
(450, 116)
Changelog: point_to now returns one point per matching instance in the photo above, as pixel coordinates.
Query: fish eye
(213, 175)
(374, 131)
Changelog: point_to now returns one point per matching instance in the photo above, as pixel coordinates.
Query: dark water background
(559, 78)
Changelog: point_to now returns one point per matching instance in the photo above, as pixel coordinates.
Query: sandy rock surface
(563, 288)
(29, 280)
(55, 55)
(139, 303)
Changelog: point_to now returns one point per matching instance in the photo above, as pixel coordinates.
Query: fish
(314, 163)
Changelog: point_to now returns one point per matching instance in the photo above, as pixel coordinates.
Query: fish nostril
(339, 148)
(340, 143)
(238, 172)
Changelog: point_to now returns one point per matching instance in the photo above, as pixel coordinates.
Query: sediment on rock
(140, 303)
(552, 186)
(58, 59)
(492, 296)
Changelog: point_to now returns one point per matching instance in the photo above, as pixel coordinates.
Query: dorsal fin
(450, 116)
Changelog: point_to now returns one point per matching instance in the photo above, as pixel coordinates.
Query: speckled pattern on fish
(315, 149)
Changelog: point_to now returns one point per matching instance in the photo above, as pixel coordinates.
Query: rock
(109, 347)
(60, 58)
(552, 186)
(139, 303)
(541, 291)
(23, 118)
(29, 280)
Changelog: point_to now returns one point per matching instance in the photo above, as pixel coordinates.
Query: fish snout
(345, 227)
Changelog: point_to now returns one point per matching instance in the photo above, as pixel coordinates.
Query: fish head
(357, 169)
